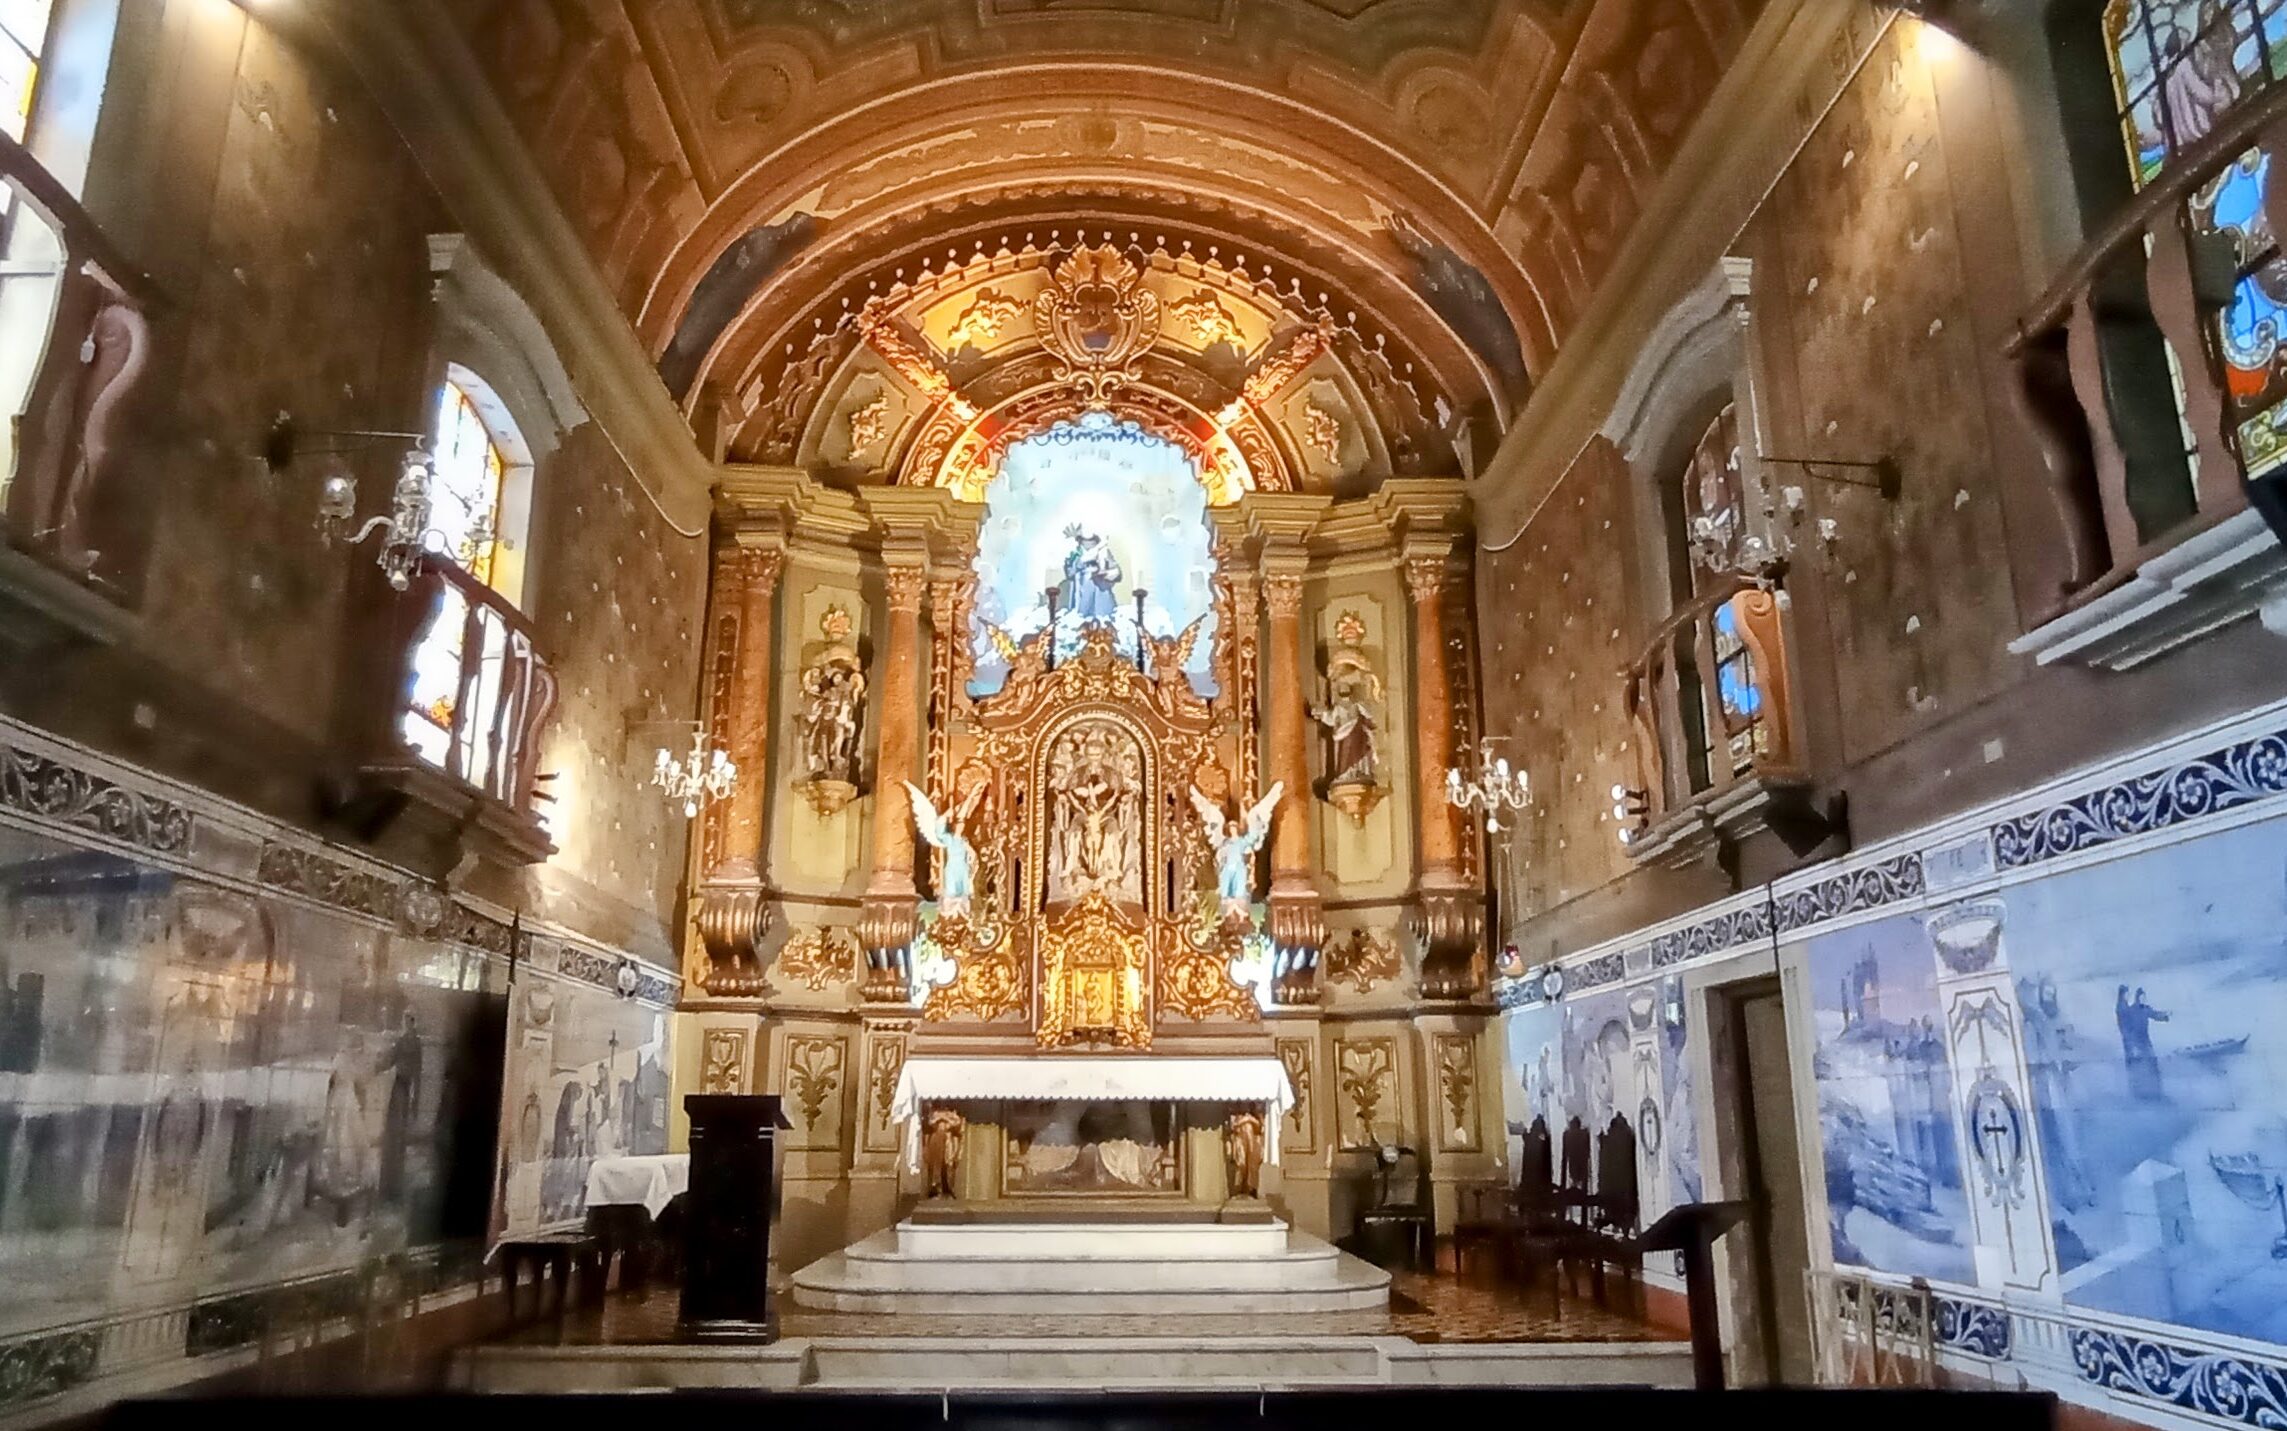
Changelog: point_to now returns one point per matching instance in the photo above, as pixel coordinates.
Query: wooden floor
(1429, 1308)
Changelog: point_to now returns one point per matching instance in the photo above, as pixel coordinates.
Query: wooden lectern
(726, 1216)
(1692, 1230)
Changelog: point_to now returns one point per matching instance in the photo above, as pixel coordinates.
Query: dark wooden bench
(562, 1256)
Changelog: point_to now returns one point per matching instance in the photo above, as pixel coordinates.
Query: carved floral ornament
(1098, 319)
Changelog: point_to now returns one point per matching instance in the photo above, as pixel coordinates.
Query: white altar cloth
(1100, 1078)
(653, 1181)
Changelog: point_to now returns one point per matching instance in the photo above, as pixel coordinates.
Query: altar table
(1098, 1078)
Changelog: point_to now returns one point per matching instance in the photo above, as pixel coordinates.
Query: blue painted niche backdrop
(2154, 993)
(1886, 1103)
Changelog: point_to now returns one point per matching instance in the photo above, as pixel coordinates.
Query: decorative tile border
(292, 869)
(1596, 973)
(1973, 1328)
(2226, 779)
(1852, 892)
(50, 790)
(2229, 1388)
(58, 793)
(44, 1366)
(1956, 854)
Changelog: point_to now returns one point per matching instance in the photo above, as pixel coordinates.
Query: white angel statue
(943, 831)
(1233, 841)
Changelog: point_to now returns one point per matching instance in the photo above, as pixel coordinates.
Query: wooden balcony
(2159, 546)
(74, 341)
(463, 763)
(1707, 773)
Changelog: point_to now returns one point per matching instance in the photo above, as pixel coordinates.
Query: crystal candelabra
(406, 532)
(1493, 788)
(699, 778)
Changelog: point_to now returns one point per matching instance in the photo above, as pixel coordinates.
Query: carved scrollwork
(1368, 1072)
(1363, 958)
(813, 1075)
(1093, 964)
(1195, 981)
(818, 958)
(1098, 318)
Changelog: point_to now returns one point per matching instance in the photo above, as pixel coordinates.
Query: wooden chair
(559, 1255)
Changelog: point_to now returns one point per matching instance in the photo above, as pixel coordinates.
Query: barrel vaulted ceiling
(1358, 228)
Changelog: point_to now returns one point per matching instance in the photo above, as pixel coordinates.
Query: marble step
(1123, 1242)
(1139, 1363)
(1308, 1275)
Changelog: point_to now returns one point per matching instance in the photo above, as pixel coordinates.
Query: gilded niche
(833, 706)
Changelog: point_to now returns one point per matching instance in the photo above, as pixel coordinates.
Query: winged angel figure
(944, 832)
(1233, 841)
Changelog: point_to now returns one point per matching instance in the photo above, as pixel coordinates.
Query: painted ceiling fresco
(1431, 189)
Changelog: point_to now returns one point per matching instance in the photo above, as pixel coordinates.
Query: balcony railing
(474, 709)
(1692, 748)
(2096, 390)
(74, 339)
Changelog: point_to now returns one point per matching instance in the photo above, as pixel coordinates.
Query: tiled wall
(232, 1059)
(2044, 1056)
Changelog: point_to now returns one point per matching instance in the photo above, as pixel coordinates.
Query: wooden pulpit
(726, 1216)
(1692, 1229)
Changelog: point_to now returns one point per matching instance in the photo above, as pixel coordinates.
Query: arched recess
(1695, 363)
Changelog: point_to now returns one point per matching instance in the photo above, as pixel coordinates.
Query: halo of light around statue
(1100, 510)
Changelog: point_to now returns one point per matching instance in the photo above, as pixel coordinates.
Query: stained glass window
(465, 491)
(2177, 66)
(1746, 737)
(23, 39)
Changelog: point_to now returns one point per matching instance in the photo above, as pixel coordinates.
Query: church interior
(1431, 697)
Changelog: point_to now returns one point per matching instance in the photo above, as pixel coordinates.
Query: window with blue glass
(2177, 67)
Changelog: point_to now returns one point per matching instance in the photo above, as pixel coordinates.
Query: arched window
(1738, 622)
(2177, 67)
(479, 495)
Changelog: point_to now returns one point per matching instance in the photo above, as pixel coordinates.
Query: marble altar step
(1155, 1363)
(1100, 1270)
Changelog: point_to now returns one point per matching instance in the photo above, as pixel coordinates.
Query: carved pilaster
(1450, 914)
(1297, 914)
(732, 914)
(951, 663)
(889, 919)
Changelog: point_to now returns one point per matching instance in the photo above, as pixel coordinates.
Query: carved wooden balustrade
(505, 692)
(1686, 748)
(2105, 422)
(66, 294)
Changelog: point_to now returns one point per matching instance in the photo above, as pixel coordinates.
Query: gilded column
(732, 915)
(889, 920)
(1298, 924)
(1450, 910)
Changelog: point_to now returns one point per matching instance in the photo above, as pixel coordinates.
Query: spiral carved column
(890, 917)
(1297, 913)
(732, 914)
(1450, 912)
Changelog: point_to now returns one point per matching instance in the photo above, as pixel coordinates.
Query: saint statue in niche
(1095, 842)
(1234, 842)
(1352, 715)
(945, 833)
(833, 701)
(1091, 573)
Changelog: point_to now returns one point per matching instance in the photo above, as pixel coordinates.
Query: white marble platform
(1098, 1269)
(1265, 1363)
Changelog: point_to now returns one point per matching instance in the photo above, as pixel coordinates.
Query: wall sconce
(405, 531)
(1633, 809)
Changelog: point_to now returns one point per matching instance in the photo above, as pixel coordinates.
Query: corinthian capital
(1282, 595)
(905, 585)
(1426, 576)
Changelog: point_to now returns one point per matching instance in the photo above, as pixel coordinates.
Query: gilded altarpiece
(1094, 926)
